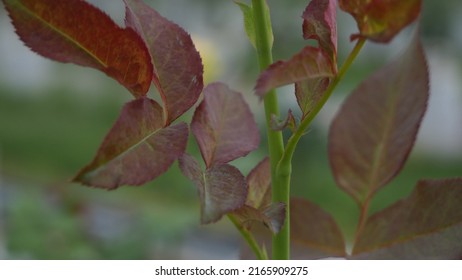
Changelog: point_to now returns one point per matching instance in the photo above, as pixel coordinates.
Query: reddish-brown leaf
(178, 67)
(258, 206)
(259, 181)
(75, 31)
(425, 225)
(374, 131)
(224, 126)
(381, 20)
(309, 92)
(309, 63)
(222, 188)
(320, 23)
(137, 149)
(315, 230)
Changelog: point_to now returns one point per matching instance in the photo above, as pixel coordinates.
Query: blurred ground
(53, 117)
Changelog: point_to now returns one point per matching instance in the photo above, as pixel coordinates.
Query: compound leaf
(381, 20)
(178, 70)
(137, 149)
(222, 188)
(425, 225)
(374, 131)
(224, 126)
(77, 32)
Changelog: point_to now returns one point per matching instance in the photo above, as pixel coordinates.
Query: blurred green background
(53, 117)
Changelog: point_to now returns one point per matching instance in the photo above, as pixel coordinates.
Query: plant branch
(260, 254)
(280, 185)
(293, 140)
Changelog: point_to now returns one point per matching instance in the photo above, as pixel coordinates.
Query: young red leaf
(222, 188)
(272, 216)
(258, 206)
(309, 63)
(309, 92)
(137, 149)
(77, 32)
(259, 181)
(425, 225)
(320, 23)
(315, 229)
(224, 126)
(381, 20)
(374, 131)
(178, 67)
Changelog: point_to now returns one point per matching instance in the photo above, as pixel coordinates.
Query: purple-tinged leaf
(315, 230)
(309, 63)
(259, 182)
(425, 225)
(320, 23)
(381, 20)
(374, 131)
(178, 71)
(272, 216)
(224, 126)
(137, 149)
(53, 29)
(258, 206)
(222, 188)
(309, 92)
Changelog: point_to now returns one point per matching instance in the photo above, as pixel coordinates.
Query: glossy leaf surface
(309, 63)
(374, 131)
(137, 149)
(178, 71)
(222, 188)
(425, 225)
(224, 126)
(381, 20)
(315, 229)
(54, 29)
(320, 23)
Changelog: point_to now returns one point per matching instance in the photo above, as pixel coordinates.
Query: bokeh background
(53, 117)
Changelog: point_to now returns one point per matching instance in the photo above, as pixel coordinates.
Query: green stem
(261, 255)
(293, 140)
(280, 184)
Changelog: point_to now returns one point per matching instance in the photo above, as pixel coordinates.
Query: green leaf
(137, 149)
(249, 24)
(222, 188)
(54, 29)
(381, 20)
(224, 126)
(375, 129)
(425, 225)
(178, 70)
(314, 230)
